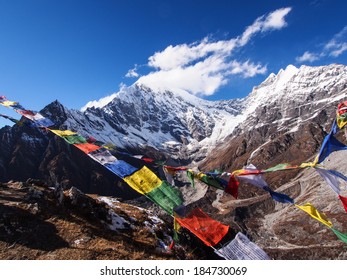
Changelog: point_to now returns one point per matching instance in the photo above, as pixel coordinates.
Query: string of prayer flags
(241, 248)
(143, 181)
(36, 117)
(251, 175)
(205, 228)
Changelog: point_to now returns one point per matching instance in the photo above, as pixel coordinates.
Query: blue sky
(82, 50)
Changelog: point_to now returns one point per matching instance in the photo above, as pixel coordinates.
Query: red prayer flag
(205, 228)
(344, 201)
(87, 148)
(233, 186)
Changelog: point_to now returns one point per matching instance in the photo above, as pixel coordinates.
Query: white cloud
(247, 69)
(341, 48)
(204, 66)
(132, 73)
(308, 56)
(273, 21)
(338, 44)
(334, 47)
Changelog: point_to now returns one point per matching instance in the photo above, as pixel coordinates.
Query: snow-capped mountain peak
(184, 125)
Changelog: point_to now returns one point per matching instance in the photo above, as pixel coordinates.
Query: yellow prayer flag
(308, 164)
(63, 133)
(341, 123)
(8, 103)
(314, 213)
(143, 180)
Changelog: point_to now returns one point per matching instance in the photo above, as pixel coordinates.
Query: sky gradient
(77, 51)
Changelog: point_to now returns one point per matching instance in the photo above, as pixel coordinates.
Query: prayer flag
(205, 228)
(344, 201)
(340, 235)
(330, 178)
(279, 197)
(166, 196)
(86, 147)
(241, 248)
(63, 133)
(121, 168)
(8, 103)
(314, 213)
(209, 180)
(75, 139)
(330, 144)
(102, 156)
(233, 186)
(281, 166)
(143, 180)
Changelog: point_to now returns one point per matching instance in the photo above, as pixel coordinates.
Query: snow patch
(117, 222)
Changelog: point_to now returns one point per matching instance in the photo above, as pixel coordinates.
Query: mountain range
(284, 119)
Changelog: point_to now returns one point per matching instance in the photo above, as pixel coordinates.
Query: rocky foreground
(37, 222)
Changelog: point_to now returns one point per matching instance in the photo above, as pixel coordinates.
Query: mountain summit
(187, 127)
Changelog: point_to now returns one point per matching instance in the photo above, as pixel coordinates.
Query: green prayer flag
(278, 167)
(166, 196)
(210, 181)
(75, 139)
(340, 235)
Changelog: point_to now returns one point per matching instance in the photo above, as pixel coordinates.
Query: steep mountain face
(173, 122)
(285, 119)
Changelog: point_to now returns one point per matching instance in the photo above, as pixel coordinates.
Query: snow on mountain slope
(169, 121)
(186, 126)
